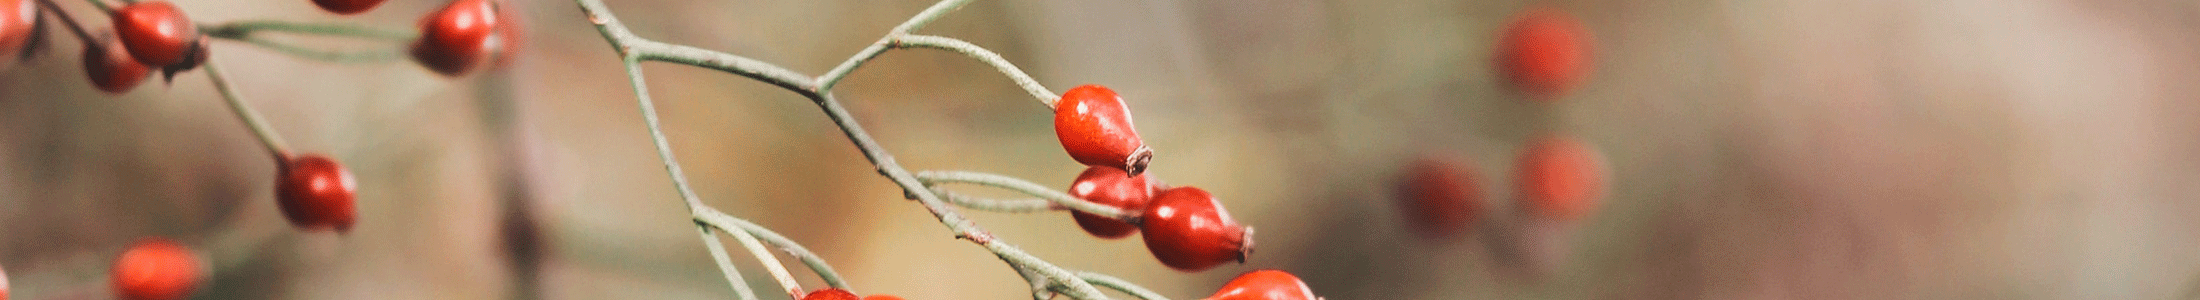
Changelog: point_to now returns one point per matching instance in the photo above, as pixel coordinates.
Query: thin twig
(817, 264)
(235, 29)
(66, 19)
(1022, 80)
(1120, 285)
(108, 8)
(1026, 187)
(725, 263)
(317, 54)
(244, 112)
(1033, 205)
(832, 78)
(680, 182)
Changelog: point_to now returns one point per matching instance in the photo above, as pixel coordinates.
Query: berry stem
(1023, 186)
(104, 7)
(1022, 80)
(274, 142)
(317, 54)
(725, 263)
(1120, 285)
(74, 27)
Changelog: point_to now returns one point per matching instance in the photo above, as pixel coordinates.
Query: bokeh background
(1786, 149)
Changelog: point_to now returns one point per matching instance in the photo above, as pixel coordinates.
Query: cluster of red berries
(1185, 227)
(1264, 285)
(1544, 53)
(157, 35)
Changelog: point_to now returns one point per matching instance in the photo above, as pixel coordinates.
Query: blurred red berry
(871, 297)
(457, 37)
(3, 284)
(830, 294)
(316, 193)
(1264, 285)
(111, 68)
(18, 19)
(346, 7)
(156, 269)
(1544, 52)
(1109, 186)
(1560, 178)
(1189, 231)
(156, 33)
(1440, 196)
(1095, 127)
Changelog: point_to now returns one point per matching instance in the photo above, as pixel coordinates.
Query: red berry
(1264, 285)
(111, 68)
(830, 294)
(871, 297)
(316, 192)
(1189, 231)
(457, 37)
(1095, 127)
(1560, 178)
(17, 20)
(1108, 186)
(156, 269)
(1544, 52)
(346, 7)
(1440, 196)
(156, 32)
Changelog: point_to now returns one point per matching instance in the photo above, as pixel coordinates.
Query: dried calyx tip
(1136, 163)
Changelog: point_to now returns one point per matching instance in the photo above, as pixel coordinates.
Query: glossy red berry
(1264, 285)
(1544, 53)
(111, 68)
(18, 18)
(1109, 186)
(456, 38)
(316, 193)
(1095, 127)
(1560, 178)
(1440, 196)
(346, 7)
(156, 33)
(156, 269)
(830, 294)
(1189, 231)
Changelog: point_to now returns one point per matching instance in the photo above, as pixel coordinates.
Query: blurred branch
(251, 118)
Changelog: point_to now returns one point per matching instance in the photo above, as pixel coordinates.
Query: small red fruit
(156, 32)
(3, 285)
(1544, 52)
(457, 37)
(1189, 231)
(1095, 127)
(346, 7)
(1264, 285)
(871, 297)
(1108, 186)
(830, 294)
(111, 68)
(17, 19)
(1440, 197)
(316, 193)
(156, 269)
(1560, 178)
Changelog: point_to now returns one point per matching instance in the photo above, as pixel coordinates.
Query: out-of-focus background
(1791, 149)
